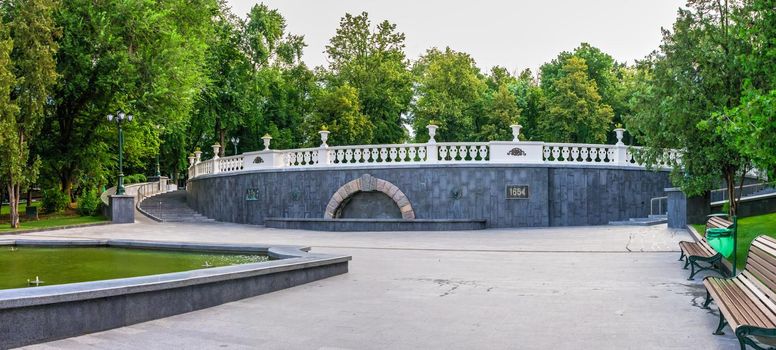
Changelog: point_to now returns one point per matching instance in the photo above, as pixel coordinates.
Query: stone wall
(558, 195)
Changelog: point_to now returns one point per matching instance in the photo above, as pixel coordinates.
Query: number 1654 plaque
(517, 191)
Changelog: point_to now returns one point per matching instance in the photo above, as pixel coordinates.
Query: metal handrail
(660, 210)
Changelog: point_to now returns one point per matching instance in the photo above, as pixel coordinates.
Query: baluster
(413, 152)
(383, 154)
(443, 152)
(574, 154)
(565, 154)
(307, 157)
(375, 154)
(422, 153)
(545, 153)
(402, 154)
(392, 152)
(348, 155)
(483, 152)
(463, 152)
(555, 153)
(357, 155)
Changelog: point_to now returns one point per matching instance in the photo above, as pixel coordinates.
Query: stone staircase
(171, 207)
(648, 221)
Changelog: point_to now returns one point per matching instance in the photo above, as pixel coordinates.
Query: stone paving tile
(602, 287)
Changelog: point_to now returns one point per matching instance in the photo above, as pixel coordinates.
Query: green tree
(750, 124)
(530, 101)
(574, 111)
(602, 69)
(150, 66)
(450, 92)
(33, 32)
(501, 111)
(231, 92)
(338, 110)
(693, 76)
(373, 62)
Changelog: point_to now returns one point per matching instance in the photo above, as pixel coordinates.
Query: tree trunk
(29, 197)
(730, 179)
(222, 138)
(13, 203)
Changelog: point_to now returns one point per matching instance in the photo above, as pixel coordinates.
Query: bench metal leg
(694, 263)
(692, 270)
(722, 324)
(743, 341)
(708, 300)
(681, 255)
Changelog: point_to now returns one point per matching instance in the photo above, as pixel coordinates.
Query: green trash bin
(721, 239)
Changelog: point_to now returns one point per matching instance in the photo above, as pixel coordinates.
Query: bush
(134, 178)
(88, 203)
(54, 200)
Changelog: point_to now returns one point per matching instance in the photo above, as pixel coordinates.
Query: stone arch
(367, 183)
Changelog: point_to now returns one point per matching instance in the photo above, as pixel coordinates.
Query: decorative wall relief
(516, 152)
(258, 160)
(252, 194)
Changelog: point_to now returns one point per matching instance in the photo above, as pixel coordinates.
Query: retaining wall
(559, 195)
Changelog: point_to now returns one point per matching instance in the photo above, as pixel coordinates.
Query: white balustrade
(301, 157)
(370, 154)
(579, 153)
(463, 151)
(496, 152)
(230, 164)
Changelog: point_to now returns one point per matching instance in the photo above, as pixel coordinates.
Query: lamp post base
(122, 209)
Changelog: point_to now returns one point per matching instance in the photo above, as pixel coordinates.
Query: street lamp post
(119, 118)
(235, 141)
(158, 171)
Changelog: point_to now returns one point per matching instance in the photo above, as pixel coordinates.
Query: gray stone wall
(558, 195)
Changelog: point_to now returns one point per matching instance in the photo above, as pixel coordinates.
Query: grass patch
(748, 229)
(46, 221)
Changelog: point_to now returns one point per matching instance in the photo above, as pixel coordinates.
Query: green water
(69, 265)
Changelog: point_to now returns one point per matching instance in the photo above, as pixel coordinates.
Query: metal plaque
(517, 191)
(252, 194)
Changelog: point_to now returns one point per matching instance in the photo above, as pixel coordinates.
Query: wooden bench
(695, 252)
(747, 302)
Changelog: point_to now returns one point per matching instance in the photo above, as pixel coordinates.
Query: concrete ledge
(34, 315)
(349, 225)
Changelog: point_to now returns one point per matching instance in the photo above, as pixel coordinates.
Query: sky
(515, 34)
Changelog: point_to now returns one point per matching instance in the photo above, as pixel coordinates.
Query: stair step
(640, 222)
(172, 207)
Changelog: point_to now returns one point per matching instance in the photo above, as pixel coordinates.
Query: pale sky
(515, 34)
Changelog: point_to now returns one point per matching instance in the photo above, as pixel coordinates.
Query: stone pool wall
(40, 314)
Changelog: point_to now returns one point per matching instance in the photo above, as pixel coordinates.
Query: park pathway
(602, 287)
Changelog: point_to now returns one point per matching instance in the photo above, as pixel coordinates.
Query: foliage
(574, 109)
(32, 62)
(373, 62)
(750, 124)
(149, 66)
(501, 111)
(338, 109)
(55, 200)
(680, 88)
(450, 90)
(88, 203)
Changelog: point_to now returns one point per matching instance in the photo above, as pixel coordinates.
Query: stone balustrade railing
(499, 152)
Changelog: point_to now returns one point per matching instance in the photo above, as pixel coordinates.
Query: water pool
(62, 265)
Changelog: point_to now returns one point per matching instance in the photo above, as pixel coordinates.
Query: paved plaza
(602, 287)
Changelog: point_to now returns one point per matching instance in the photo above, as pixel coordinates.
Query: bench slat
(764, 302)
(745, 310)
